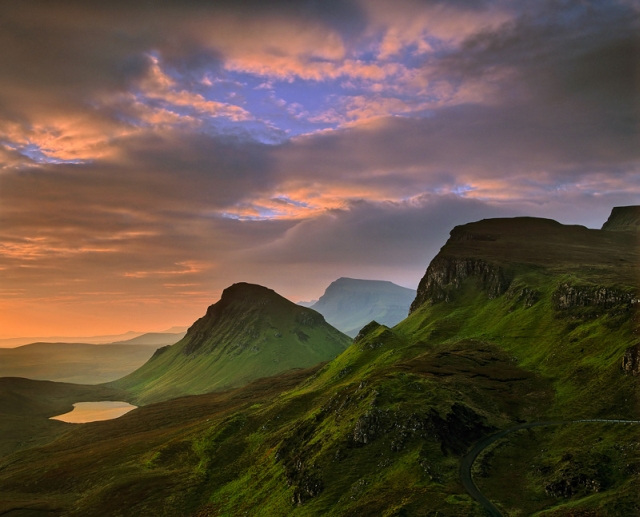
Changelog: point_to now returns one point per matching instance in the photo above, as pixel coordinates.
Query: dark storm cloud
(565, 106)
(377, 234)
(588, 52)
(65, 55)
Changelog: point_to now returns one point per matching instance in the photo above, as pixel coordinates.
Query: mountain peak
(242, 290)
(250, 332)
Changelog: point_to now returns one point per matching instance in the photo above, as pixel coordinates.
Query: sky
(153, 153)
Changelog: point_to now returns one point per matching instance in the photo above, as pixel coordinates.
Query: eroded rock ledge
(445, 276)
(569, 296)
(631, 360)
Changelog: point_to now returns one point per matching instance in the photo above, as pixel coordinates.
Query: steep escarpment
(251, 332)
(623, 218)
(493, 252)
(445, 276)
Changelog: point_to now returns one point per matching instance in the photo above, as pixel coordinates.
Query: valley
(517, 323)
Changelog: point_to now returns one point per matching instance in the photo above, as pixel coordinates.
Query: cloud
(150, 155)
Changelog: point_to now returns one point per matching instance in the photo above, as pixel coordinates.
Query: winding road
(468, 460)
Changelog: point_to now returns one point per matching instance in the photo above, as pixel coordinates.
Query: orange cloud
(187, 267)
(157, 85)
(66, 136)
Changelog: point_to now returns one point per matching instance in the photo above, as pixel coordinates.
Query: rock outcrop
(445, 276)
(631, 360)
(568, 296)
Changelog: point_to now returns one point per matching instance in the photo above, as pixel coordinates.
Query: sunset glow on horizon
(152, 156)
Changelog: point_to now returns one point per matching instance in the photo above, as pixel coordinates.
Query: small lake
(84, 412)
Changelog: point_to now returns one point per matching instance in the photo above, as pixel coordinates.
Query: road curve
(467, 461)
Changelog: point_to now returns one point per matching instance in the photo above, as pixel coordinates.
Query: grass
(380, 429)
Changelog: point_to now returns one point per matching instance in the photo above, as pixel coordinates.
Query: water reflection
(84, 412)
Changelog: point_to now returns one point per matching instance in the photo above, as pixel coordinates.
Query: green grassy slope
(516, 320)
(73, 362)
(251, 332)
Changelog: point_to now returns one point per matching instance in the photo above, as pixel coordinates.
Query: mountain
(516, 322)
(349, 304)
(251, 332)
(175, 330)
(623, 218)
(154, 338)
(73, 362)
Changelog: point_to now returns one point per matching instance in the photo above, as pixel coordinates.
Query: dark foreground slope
(349, 303)
(26, 406)
(251, 332)
(516, 321)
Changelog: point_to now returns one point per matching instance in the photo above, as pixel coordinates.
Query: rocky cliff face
(445, 276)
(569, 296)
(631, 360)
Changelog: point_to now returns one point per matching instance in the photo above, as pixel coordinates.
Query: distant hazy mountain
(73, 362)
(175, 330)
(94, 340)
(126, 338)
(308, 304)
(251, 332)
(349, 304)
(154, 338)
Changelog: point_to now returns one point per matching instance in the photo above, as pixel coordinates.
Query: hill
(516, 320)
(73, 362)
(623, 218)
(349, 304)
(251, 332)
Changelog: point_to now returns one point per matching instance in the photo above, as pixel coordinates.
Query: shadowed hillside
(251, 332)
(26, 405)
